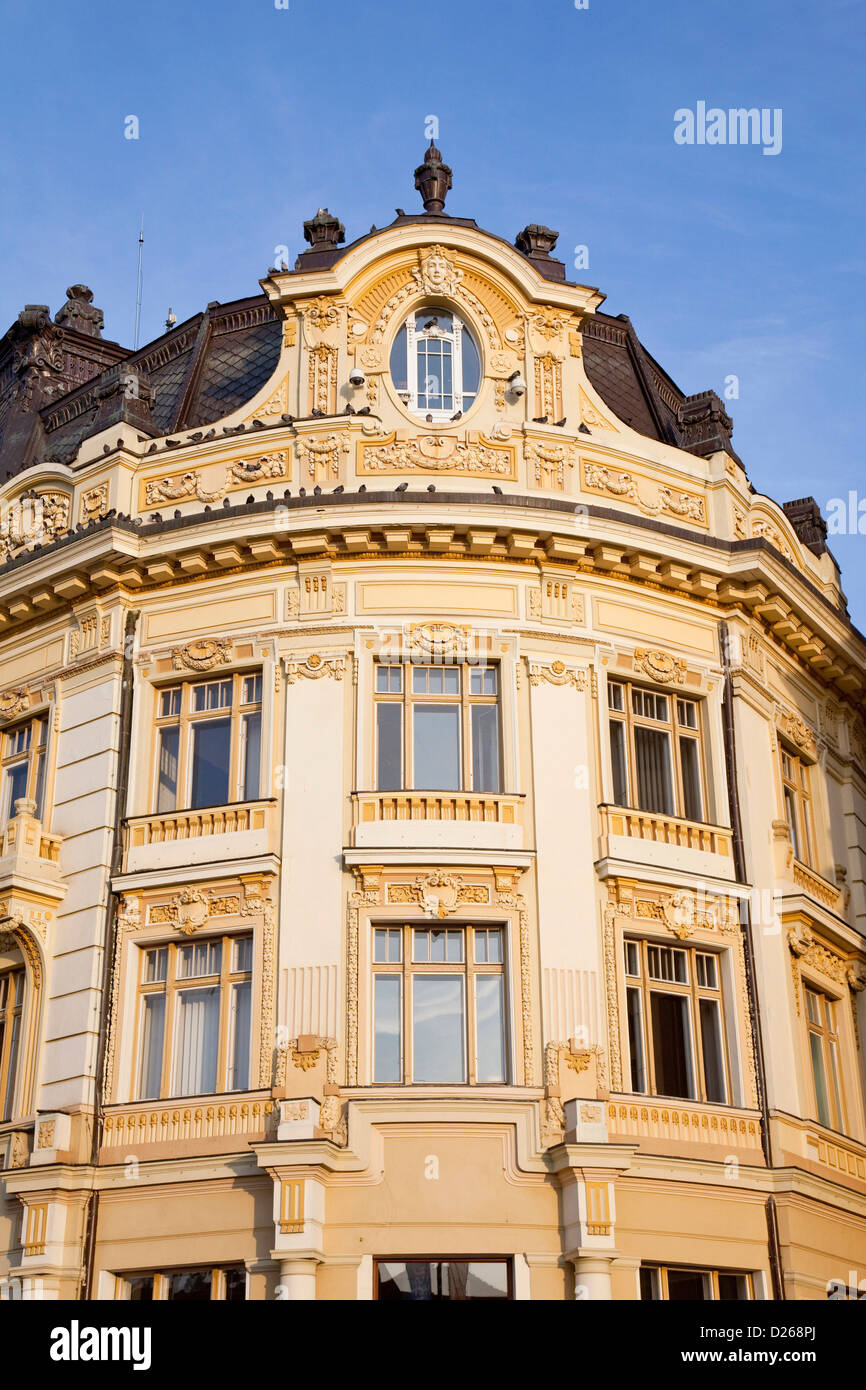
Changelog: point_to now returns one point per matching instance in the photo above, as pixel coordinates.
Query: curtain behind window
(653, 758)
(195, 1067)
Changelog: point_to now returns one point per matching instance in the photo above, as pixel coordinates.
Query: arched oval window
(435, 364)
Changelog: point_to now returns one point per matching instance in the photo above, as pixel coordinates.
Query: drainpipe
(773, 1243)
(110, 935)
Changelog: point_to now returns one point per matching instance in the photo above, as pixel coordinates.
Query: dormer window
(435, 365)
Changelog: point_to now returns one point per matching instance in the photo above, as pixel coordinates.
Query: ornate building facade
(432, 810)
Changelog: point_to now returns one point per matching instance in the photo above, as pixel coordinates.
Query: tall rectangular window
(676, 1026)
(23, 766)
(208, 743)
(195, 1017)
(437, 728)
(655, 751)
(796, 794)
(824, 1055)
(439, 1005)
(11, 1010)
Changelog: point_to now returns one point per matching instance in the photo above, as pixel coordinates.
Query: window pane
(389, 749)
(199, 958)
(649, 1284)
(442, 1280)
(437, 747)
(834, 1082)
(387, 1028)
(16, 786)
(819, 1073)
(196, 1042)
(39, 785)
(239, 1036)
(192, 1286)
(387, 945)
(140, 1288)
(632, 958)
(398, 361)
(251, 746)
(210, 763)
(471, 365)
(690, 763)
(235, 1285)
(635, 1041)
(438, 1028)
(791, 817)
(482, 681)
(685, 1285)
(671, 1038)
(389, 680)
(618, 761)
(614, 696)
(485, 748)
(242, 953)
(733, 1287)
(490, 1027)
(169, 702)
(166, 790)
(152, 1029)
(155, 965)
(212, 695)
(813, 1010)
(488, 946)
(687, 714)
(252, 690)
(652, 757)
(12, 1072)
(711, 1046)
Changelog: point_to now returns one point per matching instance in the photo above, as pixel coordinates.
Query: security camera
(356, 377)
(516, 384)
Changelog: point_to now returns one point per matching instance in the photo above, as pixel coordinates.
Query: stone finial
(805, 516)
(433, 180)
(324, 232)
(79, 312)
(536, 240)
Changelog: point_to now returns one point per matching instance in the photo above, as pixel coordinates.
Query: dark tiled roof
(236, 366)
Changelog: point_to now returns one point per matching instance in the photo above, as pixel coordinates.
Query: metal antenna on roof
(138, 286)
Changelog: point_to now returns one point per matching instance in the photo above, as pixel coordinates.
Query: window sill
(815, 886)
(671, 842)
(243, 829)
(204, 1121)
(683, 1122)
(437, 819)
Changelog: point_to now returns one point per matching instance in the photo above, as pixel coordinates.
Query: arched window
(11, 1021)
(435, 365)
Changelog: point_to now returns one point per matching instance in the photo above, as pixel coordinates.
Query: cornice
(111, 556)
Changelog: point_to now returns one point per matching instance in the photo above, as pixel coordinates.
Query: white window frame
(413, 337)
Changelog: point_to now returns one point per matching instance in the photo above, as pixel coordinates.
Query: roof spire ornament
(324, 232)
(433, 180)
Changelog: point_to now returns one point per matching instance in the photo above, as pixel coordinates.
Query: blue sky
(728, 261)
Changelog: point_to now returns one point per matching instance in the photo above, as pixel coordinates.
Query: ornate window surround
(821, 960)
(670, 916)
(19, 939)
(206, 908)
(671, 676)
(420, 643)
(155, 671)
(434, 291)
(452, 895)
(36, 704)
